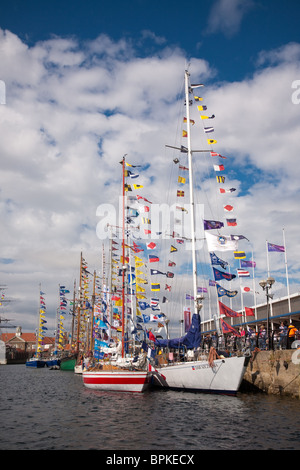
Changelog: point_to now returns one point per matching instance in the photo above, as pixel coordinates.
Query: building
(283, 308)
(21, 346)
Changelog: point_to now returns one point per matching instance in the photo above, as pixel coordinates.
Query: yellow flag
(181, 179)
(139, 288)
(184, 133)
(140, 296)
(138, 264)
(211, 141)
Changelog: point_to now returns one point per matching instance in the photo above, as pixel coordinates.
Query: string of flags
(223, 243)
(42, 322)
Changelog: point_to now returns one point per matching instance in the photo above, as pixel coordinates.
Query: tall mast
(123, 266)
(91, 345)
(73, 312)
(192, 204)
(79, 305)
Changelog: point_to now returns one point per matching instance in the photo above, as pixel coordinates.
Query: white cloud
(74, 109)
(226, 16)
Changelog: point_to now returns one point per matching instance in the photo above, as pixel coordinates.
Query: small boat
(36, 362)
(116, 379)
(126, 373)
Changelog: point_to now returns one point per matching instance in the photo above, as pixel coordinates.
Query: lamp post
(266, 286)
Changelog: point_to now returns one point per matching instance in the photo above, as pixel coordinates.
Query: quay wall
(274, 372)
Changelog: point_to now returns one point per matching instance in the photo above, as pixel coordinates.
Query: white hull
(224, 377)
(117, 380)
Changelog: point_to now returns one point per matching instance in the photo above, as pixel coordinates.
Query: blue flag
(219, 275)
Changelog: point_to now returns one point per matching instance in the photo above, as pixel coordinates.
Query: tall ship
(190, 368)
(116, 366)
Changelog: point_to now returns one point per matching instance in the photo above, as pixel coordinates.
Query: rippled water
(51, 409)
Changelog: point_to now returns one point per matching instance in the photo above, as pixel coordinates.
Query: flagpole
(242, 299)
(286, 270)
(268, 266)
(253, 283)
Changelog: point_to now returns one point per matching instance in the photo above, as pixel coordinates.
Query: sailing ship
(123, 372)
(68, 361)
(213, 372)
(37, 360)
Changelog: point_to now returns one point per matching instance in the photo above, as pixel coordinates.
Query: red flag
(151, 246)
(231, 222)
(227, 328)
(228, 207)
(214, 154)
(249, 312)
(224, 310)
(151, 336)
(144, 199)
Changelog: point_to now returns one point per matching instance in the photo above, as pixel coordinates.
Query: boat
(121, 371)
(68, 362)
(37, 360)
(212, 372)
(53, 362)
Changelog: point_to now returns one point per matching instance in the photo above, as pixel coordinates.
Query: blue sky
(230, 40)
(89, 81)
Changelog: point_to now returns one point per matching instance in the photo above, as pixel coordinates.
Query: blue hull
(53, 362)
(36, 363)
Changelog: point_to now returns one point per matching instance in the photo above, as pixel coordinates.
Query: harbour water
(43, 409)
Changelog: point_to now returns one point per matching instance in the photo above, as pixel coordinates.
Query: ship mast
(192, 204)
(123, 259)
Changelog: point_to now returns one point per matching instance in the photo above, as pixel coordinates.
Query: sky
(87, 82)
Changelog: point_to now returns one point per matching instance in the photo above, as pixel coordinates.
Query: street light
(266, 286)
(199, 304)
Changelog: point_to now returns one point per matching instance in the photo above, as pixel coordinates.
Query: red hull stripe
(114, 380)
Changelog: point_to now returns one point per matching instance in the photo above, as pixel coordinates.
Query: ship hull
(117, 380)
(68, 363)
(36, 363)
(223, 377)
(53, 362)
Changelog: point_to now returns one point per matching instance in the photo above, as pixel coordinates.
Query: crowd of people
(279, 338)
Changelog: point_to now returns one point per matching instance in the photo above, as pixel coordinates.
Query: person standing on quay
(292, 330)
